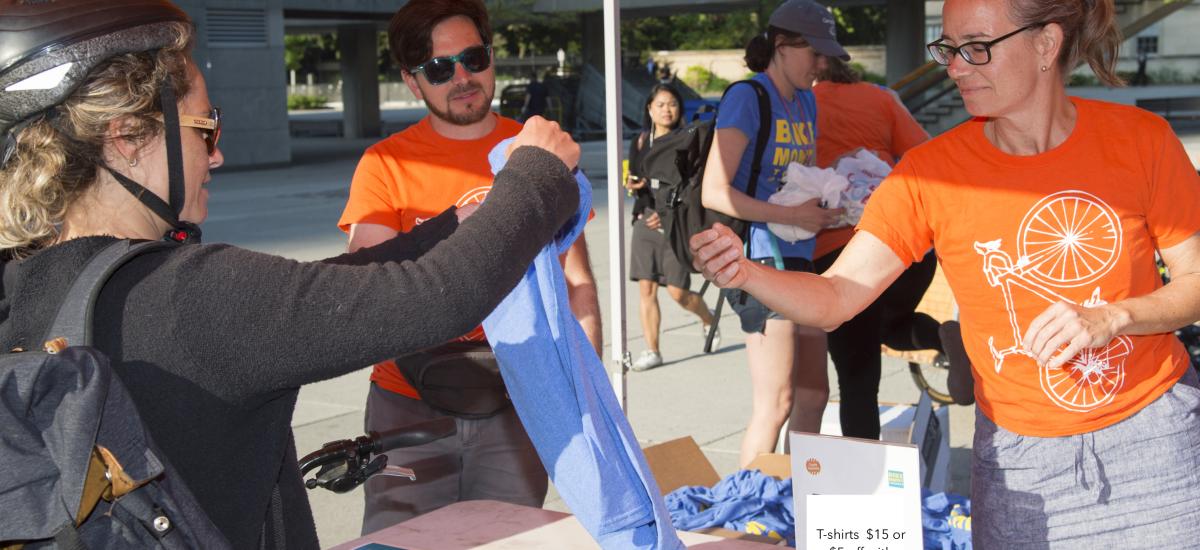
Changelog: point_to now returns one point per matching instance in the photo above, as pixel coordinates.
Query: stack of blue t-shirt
(747, 501)
(946, 519)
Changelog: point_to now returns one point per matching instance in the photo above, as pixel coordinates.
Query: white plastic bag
(864, 171)
(802, 184)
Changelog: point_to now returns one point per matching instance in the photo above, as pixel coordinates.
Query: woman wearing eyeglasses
(1046, 212)
(212, 341)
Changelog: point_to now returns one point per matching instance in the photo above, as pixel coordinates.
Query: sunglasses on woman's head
(209, 127)
(440, 70)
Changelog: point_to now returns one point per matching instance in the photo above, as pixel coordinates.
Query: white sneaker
(716, 343)
(647, 360)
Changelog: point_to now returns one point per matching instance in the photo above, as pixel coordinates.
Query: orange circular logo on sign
(813, 466)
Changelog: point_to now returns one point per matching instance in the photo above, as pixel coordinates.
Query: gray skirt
(1135, 484)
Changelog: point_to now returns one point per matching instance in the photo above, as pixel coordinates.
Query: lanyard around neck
(786, 109)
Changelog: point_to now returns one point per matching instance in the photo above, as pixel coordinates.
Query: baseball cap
(812, 21)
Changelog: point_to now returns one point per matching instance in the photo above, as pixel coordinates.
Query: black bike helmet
(47, 50)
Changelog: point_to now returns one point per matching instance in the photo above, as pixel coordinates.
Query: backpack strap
(764, 135)
(761, 138)
(74, 319)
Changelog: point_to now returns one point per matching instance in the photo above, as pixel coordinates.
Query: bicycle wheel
(931, 378)
(1069, 239)
(1089, 380)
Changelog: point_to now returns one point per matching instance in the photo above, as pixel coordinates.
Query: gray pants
(1135, 484)
(490, 459)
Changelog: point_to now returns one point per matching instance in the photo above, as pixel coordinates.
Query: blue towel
(747, 501)
(562, 394)
(946, 519)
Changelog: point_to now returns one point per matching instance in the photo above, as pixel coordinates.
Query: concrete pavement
(293, 210)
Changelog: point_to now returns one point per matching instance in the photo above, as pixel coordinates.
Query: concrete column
(249, 83)
(905, 37)
(360, 81)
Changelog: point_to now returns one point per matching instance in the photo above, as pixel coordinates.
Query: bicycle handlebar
(346, 464)
(412, 435)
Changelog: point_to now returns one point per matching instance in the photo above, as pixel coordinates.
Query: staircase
(933, 98)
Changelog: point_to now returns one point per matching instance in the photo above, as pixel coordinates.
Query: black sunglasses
(440, 70)
(975, 53)
(209, 127)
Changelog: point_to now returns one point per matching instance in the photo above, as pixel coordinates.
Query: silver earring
(1045, 68)
(133, 162)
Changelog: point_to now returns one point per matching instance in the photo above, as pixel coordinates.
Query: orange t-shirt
(411, 177)
(1014, 234)
(856, 115)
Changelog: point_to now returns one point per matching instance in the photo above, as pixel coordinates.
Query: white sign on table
(860, 522)
(855, 494)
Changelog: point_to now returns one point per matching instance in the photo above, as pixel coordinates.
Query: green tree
(522, 33)
(861, 25)
(732, 30)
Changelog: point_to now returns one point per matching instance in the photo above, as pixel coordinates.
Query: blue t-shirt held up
(793, 139)
(561, 392)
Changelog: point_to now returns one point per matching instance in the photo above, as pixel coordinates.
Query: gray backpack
(77, 467)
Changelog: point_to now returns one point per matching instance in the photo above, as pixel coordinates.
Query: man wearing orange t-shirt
(443, 48)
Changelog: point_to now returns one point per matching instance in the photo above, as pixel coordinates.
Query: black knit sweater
(214, 341)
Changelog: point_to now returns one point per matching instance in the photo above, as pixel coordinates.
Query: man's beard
(466, 118)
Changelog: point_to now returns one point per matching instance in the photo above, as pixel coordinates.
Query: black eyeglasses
(440, 70)
(210, 127)
(975, 53)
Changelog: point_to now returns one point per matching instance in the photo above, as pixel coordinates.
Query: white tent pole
(616, 202)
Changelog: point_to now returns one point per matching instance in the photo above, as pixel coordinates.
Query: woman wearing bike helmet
(109, 134)
(1046, 212)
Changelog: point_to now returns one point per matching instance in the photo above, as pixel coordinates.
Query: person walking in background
(444, 49)
(787, 363)
(535, 97)
(651, 262)
(852, 114)
(1046, 212)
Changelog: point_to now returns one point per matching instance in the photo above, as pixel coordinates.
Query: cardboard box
(680, 463)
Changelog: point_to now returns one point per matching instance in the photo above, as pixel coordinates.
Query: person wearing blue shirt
(787, 363)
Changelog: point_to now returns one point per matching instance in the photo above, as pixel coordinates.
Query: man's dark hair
(411, 29)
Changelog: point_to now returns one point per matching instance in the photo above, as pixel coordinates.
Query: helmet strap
(180, 231)
(170, 111)
(10, 147)
(10, 140)
(169, 210)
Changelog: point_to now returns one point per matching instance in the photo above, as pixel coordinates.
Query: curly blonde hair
(58, 154)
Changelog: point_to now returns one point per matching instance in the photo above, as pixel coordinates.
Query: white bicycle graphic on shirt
(1067, 240)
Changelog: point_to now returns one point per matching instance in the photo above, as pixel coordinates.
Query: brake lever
(342, 477)
(346, 464)
(329, 453)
